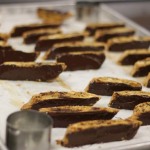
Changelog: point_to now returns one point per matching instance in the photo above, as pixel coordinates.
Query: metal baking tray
(13, 93)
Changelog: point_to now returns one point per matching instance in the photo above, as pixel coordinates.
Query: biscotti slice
(142, 112)
(58, 49)
(4, 37)
(17, 56)
(54, 99)
(128, 99)
(99, 131)
(141, 68)
(82, 60)
(65, 115)
(31, 71)
(32, 36)
(104, 36)
(46, 42)
(147, 80)
(125, 43)
(129, 57)
(20, 29)
(108, 85)
(93, 27)
(51, 15)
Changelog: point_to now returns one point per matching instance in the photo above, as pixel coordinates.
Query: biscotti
(99, 131)
(31, 71)
(128, 99)
(54, 99)
(104, 36)
(129, 57)
(7, 54)
(50, 15)
(4, 37)
(142, 112)
(147, 81)
(65, 115)
(20, 29)
(108, 85)
(58, 49)
(93, 27)
(141, 68)
(46, 42)
(32, 36)
(82, 60)
(125, 43)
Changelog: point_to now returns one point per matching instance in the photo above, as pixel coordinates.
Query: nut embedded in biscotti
(32, 71)
(82, 60)
(99, 131)
(54, 99)
(128, 99)
(108, 85)
(65, 115)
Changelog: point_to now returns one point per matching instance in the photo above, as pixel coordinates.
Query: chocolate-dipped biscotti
(32, 36)
(65, 115)
(108, 85)
(58, 49)
(104, 36)
(31, 71)
(147, 80)
(125, 43)
(142, 112)
(129, 57)
(54, 99)
(7, 54)
(50, 15)
(128, 99)
(99, 131)
(46, 42)
(141, 68)
(4, 37)
(20, 29)
(93, 27)
(82, 60)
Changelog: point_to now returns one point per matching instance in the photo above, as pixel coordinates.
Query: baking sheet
(14, 93)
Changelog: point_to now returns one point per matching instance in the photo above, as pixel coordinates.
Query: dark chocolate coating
(44, 45)
(93, 30)
(82, 62)
(65, 49)
(18, 56)
(64, 119)
(128, 102)
(38, 73)
(142, 71)
(106, 37)
(131, 59)
(21, 29)
(119, 47)
(65, 102)
(145, 118)
(101, 135)
(109, 88)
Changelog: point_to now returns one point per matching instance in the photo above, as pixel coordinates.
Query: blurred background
(136, 10)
